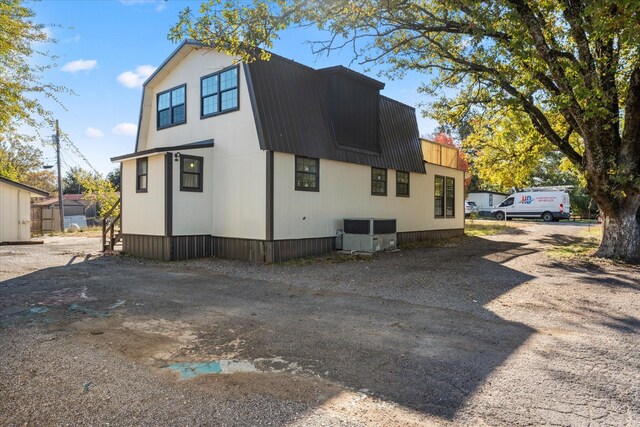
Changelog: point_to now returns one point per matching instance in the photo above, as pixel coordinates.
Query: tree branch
(630, 143)
(538, 118)
(550, 56)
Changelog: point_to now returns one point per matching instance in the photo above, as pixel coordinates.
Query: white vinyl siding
(346, 193)
(233, 198)
(143, 212)
(15, 214)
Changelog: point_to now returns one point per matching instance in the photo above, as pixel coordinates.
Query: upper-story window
(219, 92)
(172, 107)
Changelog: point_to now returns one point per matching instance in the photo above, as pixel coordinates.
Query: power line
(75, 150)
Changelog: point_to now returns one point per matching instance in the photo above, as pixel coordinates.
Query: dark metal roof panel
(207, 143)
(399, 136)
(292, 106)
(292, 102)
(339, 69)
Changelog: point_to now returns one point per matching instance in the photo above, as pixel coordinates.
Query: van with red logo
(548, 205)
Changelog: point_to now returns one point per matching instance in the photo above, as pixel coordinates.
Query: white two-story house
(263, 161)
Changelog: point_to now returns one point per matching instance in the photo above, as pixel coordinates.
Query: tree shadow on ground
(566, 240)
(589, 272)
(424, 355)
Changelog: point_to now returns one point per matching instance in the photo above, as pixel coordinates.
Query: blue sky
(107, 48)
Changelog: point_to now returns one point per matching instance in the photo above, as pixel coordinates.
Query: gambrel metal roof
(293, 114)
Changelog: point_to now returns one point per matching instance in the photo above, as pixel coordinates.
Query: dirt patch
(481, 330)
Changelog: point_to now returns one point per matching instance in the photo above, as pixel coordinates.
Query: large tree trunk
(621, 233)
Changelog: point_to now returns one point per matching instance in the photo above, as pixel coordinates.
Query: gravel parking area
(477, 331)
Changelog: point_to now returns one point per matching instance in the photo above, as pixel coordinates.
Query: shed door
(24, 215)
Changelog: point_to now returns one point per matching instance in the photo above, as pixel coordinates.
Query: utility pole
(60, 202)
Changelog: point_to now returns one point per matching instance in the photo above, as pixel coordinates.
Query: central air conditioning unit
(369, 235)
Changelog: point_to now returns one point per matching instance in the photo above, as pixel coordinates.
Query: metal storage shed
(15, 211)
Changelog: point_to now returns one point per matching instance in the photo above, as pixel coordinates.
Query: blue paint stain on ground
(188, 370)
(117, 304)
(37, 310)
(88, 311)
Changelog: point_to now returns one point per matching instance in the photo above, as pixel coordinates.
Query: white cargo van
(548, 205)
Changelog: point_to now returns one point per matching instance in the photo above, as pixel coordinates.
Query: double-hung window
(378, 182)
(402, 184)
(172, 108)
(219, 92)
(190, 173)
(445, 196)
(449, 191)
(439, 197)
(141, 174)
(307, 174)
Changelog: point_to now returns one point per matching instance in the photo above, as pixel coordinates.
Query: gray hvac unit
(369, 234)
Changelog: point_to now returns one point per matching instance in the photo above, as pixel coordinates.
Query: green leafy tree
(100, 189)
(17, 159)
(572, 67)
(44, 180)
(24, 157)
(114, 178)
(7, 168)
(505, 154)
(22, 88)
(72, 182)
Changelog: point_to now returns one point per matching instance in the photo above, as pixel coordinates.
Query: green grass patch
(478, 229)
(583, 245)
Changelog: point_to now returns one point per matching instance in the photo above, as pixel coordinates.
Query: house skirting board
(167, 248)
(150, 247)
(419, 236)
(190, 247)
(282, 250)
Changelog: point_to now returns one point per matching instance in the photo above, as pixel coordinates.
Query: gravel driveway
(480, 331)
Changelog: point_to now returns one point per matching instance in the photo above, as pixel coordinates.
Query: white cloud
(80, 65)
(160, 4)
(134, 79)
(74, 39)
(128, 129)
(93, 133)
